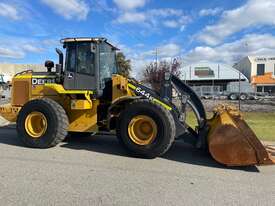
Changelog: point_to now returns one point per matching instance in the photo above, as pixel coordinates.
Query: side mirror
(49, 65)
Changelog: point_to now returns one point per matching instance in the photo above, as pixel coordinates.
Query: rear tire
(162, 121)
(233, 97)
(55, 119)
(243, 97)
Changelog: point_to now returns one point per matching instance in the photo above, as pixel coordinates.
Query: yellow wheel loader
(84, 94)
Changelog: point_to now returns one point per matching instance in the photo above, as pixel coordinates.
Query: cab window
(85, 59)
(71, 58)
(107, 62)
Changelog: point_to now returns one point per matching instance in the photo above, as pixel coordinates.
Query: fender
(115, 109)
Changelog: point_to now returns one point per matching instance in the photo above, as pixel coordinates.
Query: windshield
(107, 63)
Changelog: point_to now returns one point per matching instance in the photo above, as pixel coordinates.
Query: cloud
(166, 12)
(31, 48)
(69, 9)
(9, 11)
(130, 4)
(169, 50)
(166, 51)
(103, 6)
(140, 57)
(153, 18)
(253, 14)
(131, 17)
(18, 48)
(11, 53)
(249, 45)
(210, 12)
(170, 23)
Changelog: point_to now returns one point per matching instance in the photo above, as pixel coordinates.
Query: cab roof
(87, 39)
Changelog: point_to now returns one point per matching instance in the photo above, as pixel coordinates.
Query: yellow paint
(30, 75)
(83, 120)
(9, 112)
(23, 76)
(36, 125)
(162, 104)
(80, 104)
(60, 89)
(82, 113)
(142, 130)
(119, 87)
(223, 115)
(133, 87)
(41, 90)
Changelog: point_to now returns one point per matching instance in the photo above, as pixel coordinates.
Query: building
(9, 70)
(260, 71)
(208, 77)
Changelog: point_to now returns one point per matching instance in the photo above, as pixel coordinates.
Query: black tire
(233, 96)
(243, 97)
(57, 121)
(166, 129)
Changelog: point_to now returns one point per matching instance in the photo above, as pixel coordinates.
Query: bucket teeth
(232, 142)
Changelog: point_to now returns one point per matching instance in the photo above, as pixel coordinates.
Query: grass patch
(263, 124)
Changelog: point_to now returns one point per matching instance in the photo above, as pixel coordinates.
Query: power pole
(156, 58)
(239, 91)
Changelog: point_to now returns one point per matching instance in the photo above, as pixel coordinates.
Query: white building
(213, 77)
(9, 70)
(260, 71)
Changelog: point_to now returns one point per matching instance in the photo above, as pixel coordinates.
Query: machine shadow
(8, 136)
(185, 153)
(179, 151)
(107, 144)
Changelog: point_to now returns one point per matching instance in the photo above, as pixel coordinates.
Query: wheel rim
(142, 130)
(233, 97)
(36, 124)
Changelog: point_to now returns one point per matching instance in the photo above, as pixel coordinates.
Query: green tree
(124, 65)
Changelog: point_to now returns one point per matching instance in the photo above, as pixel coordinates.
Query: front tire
(42, 123)
(146, 129)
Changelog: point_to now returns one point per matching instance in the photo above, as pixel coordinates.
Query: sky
(192, 30)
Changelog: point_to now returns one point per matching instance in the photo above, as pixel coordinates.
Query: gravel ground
(97, 171)
(246, 106)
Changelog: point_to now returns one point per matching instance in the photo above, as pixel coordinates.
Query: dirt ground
(246, 106)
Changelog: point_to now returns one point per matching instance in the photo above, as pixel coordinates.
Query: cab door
(80, 67)
(70, 71)
(85, 72)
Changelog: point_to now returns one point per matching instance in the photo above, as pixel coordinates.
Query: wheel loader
(85, 94)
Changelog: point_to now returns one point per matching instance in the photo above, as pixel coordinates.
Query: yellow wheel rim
(142, 130)
(36, 124)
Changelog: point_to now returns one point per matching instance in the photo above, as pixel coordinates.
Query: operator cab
(90, 63)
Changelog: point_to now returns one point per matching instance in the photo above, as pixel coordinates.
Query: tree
(154, 74)
(124, 65)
